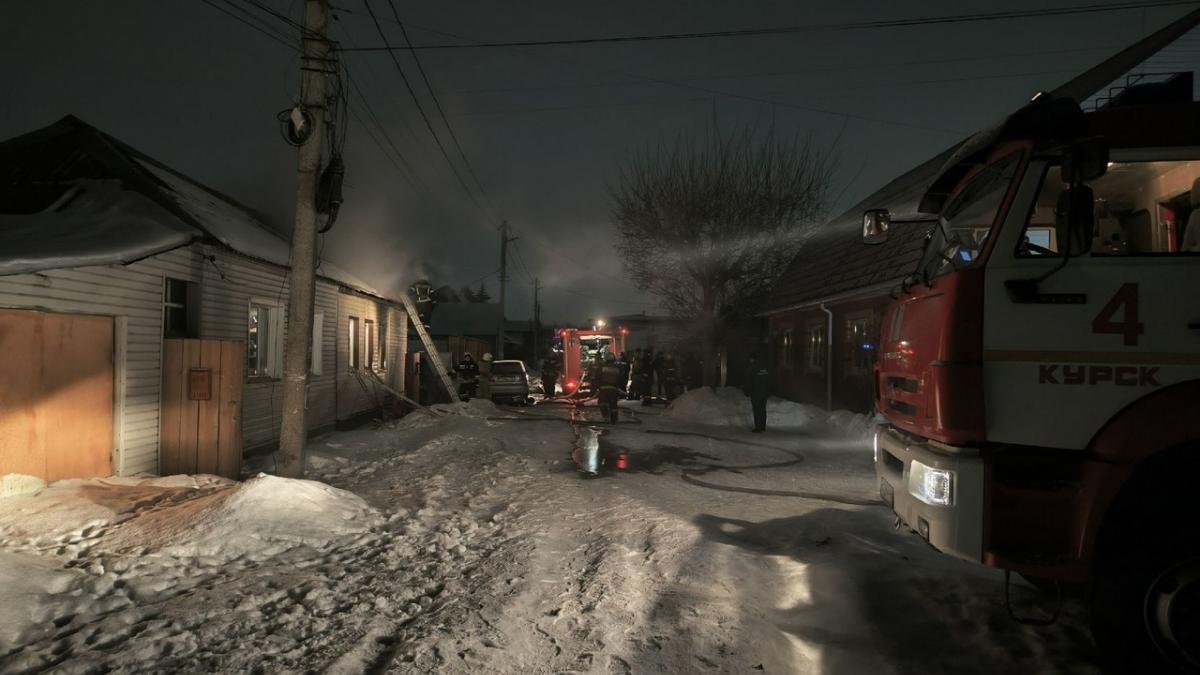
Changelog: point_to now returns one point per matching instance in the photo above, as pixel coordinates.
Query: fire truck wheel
(1146, 590)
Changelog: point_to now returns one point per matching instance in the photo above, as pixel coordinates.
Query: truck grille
(903, 384)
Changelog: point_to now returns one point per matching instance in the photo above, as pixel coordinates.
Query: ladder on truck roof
(438, 366)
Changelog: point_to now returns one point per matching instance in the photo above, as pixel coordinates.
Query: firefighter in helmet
(608, 383)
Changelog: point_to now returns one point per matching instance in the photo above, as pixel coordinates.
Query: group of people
(649, 372)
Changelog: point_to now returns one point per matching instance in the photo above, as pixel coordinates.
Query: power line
(249, 22)
(696, 99)
(421, 109)
(787, 73)
(716, 92)
(438, 105)
(788, 30)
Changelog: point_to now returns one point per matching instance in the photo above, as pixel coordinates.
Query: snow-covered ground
(476, 542)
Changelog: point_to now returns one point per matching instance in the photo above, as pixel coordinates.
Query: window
(317, 344)
(369, 334)
(1140, 208)
(783, 356)
(264, 340)
(179, 305)
(965, 223)
(816, 346)
(353, 342)
(383, 345)
(860, 343)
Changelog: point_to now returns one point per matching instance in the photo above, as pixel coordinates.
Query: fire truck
(579, 347)
(1040, 370)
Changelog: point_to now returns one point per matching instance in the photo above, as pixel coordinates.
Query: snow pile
(267, 514)
(730, 407)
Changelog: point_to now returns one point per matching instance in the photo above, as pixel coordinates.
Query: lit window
(353, 343)
(816, 347)
(263, 340)
(369, 334)
(383, 347)
(784, 357)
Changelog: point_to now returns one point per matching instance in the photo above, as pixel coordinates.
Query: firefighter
(757, 386)
(635, 375)
(624, 367)
(608, 378)
(550, 372)
(468, 374)
(646, 376)
(670, 377)
(656, 364)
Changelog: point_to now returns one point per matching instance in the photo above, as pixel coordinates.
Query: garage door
(56, 394)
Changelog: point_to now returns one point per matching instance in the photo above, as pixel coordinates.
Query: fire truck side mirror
(1085, 160)
(875, 226)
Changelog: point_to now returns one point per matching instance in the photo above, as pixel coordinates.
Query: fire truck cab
(1040, 371)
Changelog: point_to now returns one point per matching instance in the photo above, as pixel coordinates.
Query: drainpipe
(828, 357)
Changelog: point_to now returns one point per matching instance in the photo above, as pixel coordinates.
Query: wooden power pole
(537, 321)
(504, 242)
(313, 66)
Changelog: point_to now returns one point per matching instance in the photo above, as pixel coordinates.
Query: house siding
(133, 294)
(853, 380)
(230, 282)
(352, 399)
(227, 282)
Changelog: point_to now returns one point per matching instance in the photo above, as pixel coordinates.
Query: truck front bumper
(936, 490)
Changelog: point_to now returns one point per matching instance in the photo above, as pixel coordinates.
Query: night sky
(543, 127)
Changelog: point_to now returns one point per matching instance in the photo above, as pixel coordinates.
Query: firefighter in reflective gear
(468, 376)
(608, 384)
(757, 386)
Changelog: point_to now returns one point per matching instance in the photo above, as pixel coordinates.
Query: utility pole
(313, 66)
(504, 241)
(537, 320)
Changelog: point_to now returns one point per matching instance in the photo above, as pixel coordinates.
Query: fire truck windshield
(967, 220)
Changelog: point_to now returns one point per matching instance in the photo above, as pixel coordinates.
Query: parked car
(509, 381)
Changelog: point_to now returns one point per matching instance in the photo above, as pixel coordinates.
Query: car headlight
(932, 486)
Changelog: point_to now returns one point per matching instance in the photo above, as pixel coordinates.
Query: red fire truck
(580, 346)
(1040, 371)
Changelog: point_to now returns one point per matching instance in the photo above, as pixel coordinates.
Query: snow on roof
(235, 226)
(123, 206)
(97, 223)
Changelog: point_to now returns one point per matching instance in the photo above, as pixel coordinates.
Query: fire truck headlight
(932, 486)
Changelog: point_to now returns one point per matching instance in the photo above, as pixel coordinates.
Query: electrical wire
(265, 31)
(442, 113)
(812, 28)
(421, 110)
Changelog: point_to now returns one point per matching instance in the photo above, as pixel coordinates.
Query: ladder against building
(438, 366)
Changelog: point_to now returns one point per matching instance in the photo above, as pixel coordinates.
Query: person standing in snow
(549, 374)
(624, 367)
(608, 387)
(757, 386)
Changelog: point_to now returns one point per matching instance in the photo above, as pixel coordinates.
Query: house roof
(833, 261)
(71, 195)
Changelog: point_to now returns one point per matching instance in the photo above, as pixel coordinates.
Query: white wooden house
(107, 255)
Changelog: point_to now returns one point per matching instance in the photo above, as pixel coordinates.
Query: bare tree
(709, 224)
